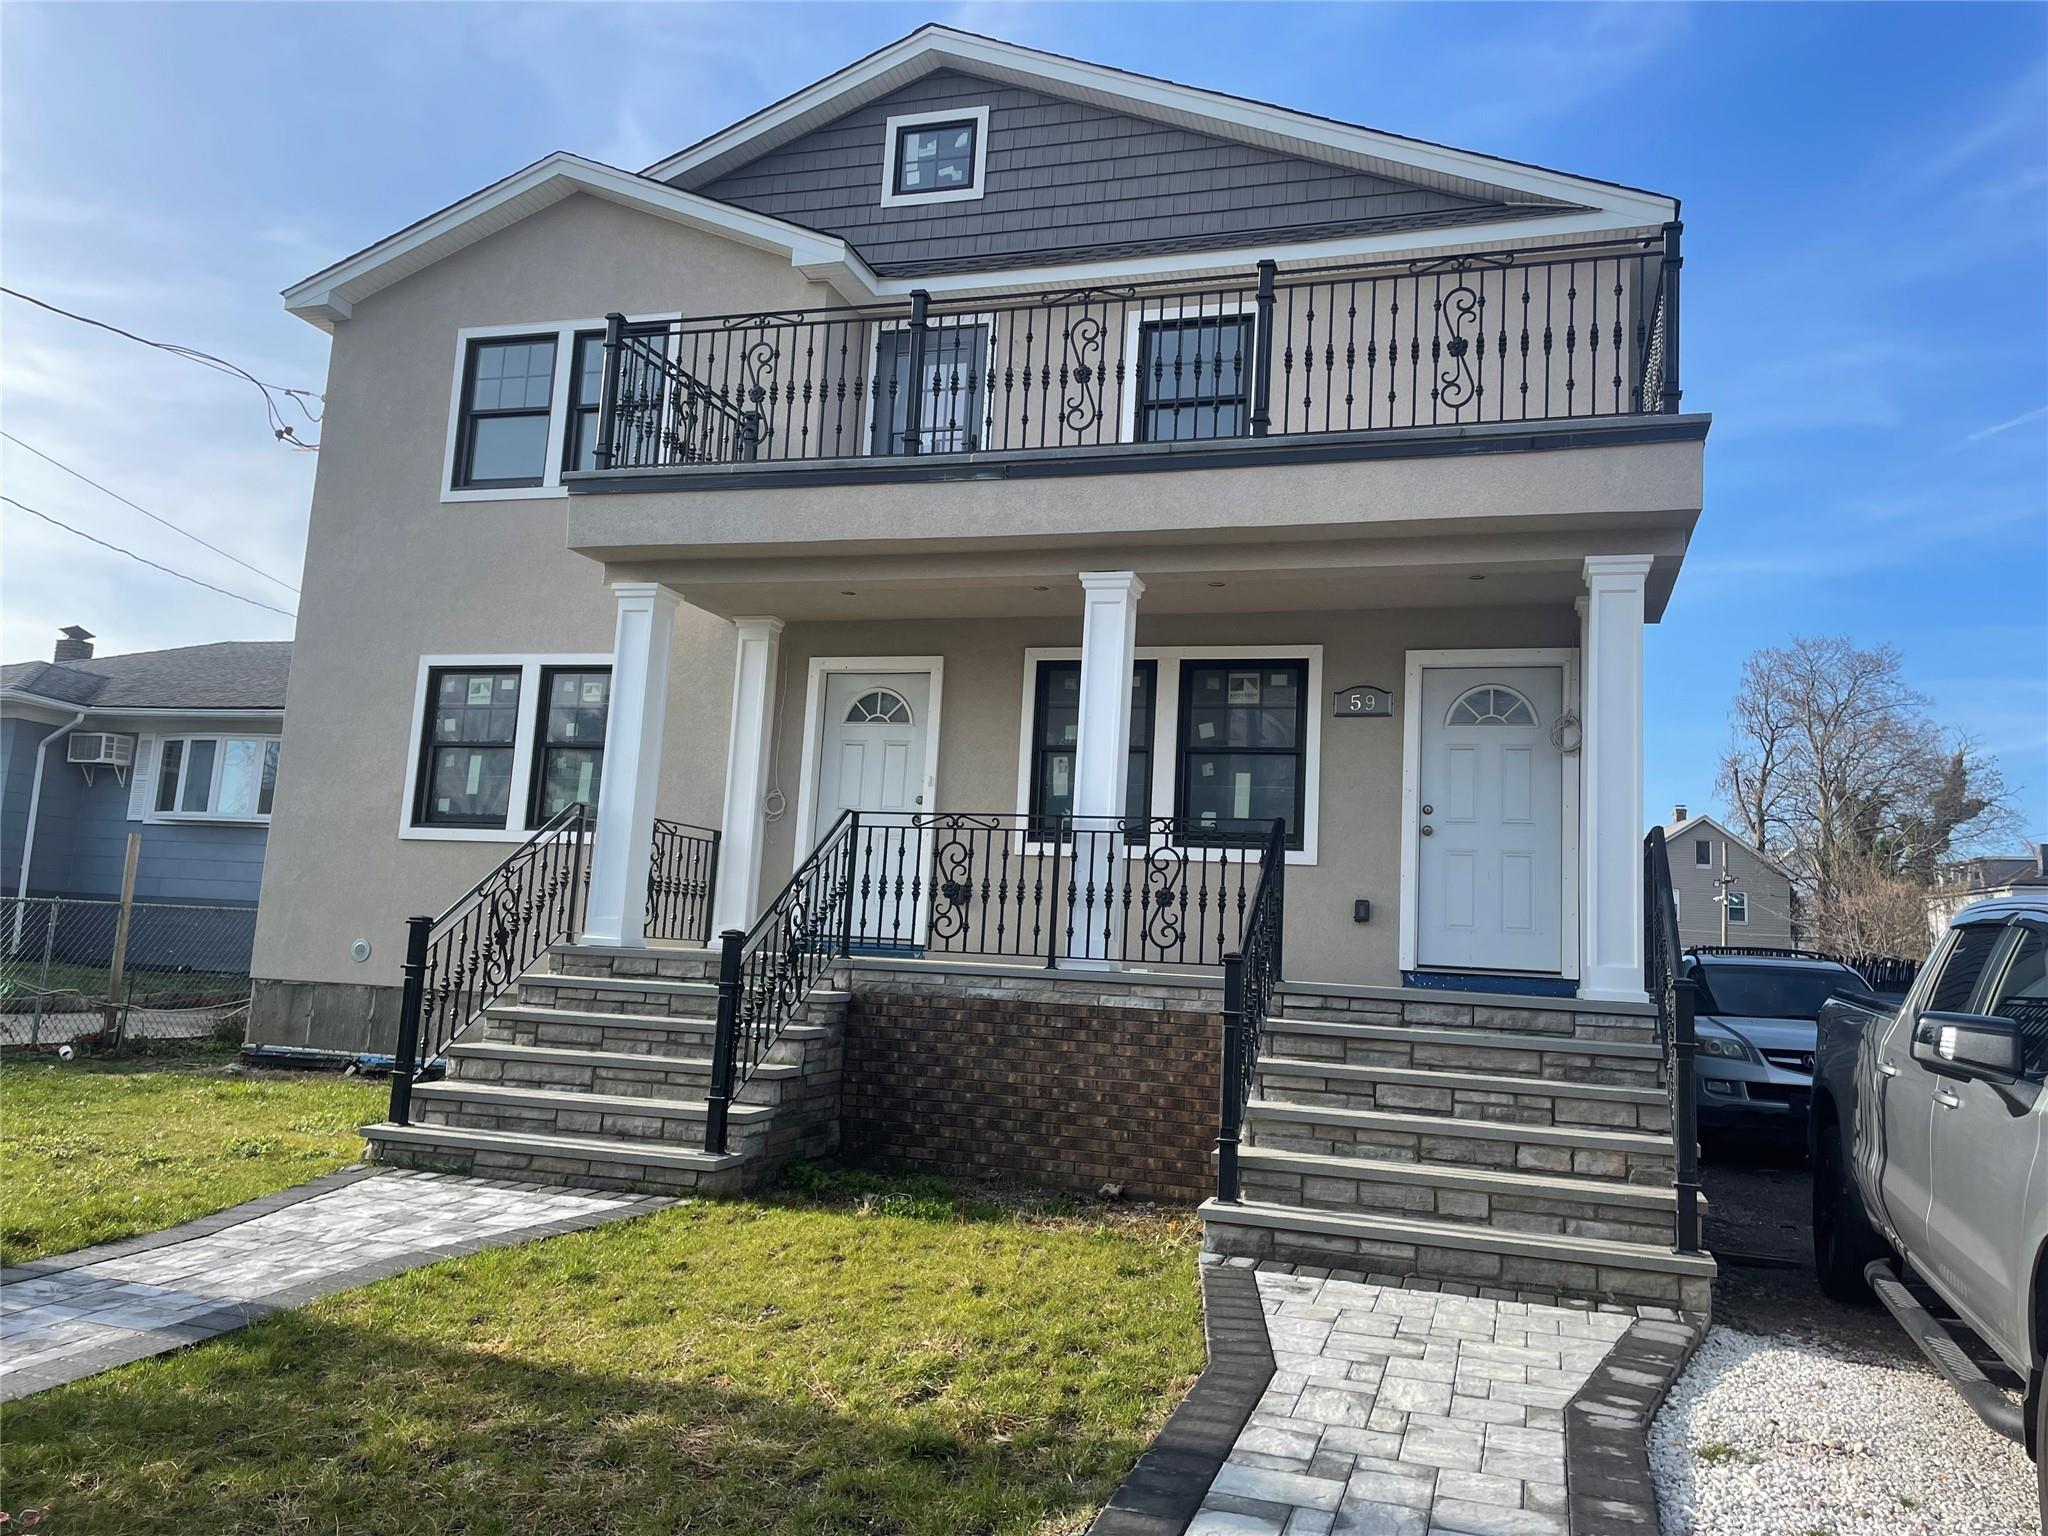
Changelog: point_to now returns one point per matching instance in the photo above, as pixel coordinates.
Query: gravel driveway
(1799, 1417)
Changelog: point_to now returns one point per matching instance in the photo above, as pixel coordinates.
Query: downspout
(28, 836)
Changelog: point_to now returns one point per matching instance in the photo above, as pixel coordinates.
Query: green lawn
(853, 1359)
(105, 1148)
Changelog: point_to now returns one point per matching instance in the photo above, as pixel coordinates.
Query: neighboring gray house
(1729, 891)
(179, 745)
(1967, 880)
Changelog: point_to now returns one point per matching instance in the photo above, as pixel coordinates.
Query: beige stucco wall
(393, 573)
(1699, 918)
(1358, 850)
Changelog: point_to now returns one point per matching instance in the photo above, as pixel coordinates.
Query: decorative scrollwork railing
(1555, 333)
(1250, 975)
(1672, 992)
(682, 875)
(458, 964)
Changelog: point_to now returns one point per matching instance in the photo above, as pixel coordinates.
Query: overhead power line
(117, 549)
(280, 428)
(245, 565)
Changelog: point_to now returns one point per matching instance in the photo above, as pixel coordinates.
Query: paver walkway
(77, 1314)
(1398, 1412)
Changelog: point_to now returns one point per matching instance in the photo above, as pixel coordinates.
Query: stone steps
(583, 1161)
(1625, 1063)
(1558, 1205)
(1595, 1268)
(1629, 1157)
(629, 1073)
(626, 1034)
(1515, 1098)
(602, 1116)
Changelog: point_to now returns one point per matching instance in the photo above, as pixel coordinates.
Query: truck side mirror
(1976, 1045)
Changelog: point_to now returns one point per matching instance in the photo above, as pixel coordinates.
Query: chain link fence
(71, 970)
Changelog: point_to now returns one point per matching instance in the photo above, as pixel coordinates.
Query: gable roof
(229, 674)
(1673, 833)
(934, 47)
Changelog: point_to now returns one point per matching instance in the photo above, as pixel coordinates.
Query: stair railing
(766, 974)
(1250, 975)
(1674, 995)
(460, 963)
(682, 875)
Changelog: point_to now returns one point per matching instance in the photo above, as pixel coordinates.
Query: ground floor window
(1056, 725)
(1241, 759)
(503, 744)
(576, 705)
(219, 778)
(1738, 907)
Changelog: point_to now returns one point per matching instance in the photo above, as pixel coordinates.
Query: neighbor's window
(1703, 852)
(569, 749)
(1194, 377)
(226, 778)
(586, 395)
(508, 389)
(1738, 907)
(472, 720)
(1243, 747)
(935, 157)
(1055, 726)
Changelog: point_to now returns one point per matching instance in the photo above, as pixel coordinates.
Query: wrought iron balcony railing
(1562, 334)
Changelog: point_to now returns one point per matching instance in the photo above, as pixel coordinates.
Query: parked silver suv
(1930, 1163)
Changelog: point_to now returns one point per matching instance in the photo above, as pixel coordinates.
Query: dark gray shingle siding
(1067, 180)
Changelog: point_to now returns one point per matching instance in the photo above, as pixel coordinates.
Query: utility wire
(117, 549)
(245, 565)
(279, 427)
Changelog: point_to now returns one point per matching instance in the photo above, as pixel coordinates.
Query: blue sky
(1866, 205)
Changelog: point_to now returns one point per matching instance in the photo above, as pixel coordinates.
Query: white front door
(1490, 833)
(875, 760)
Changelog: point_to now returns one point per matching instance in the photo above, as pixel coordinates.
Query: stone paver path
(73, 1315)
(1397, 1412)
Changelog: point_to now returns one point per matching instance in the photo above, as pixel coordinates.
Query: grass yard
(847, 1358)
(104, 1148)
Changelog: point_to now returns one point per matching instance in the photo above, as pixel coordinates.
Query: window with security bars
(1194, 378)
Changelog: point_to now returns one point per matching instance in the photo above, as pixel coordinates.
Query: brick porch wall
(1040, 1090)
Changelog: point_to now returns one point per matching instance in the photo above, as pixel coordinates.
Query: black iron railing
(458, 964)
(1249, 976)
(766, 974)
(1557, 334)
(1138, 890)
(681, 878)
(1673, 994)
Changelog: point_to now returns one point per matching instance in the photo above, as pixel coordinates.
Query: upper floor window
(951, 389)
(1703, 852)
(586, 394)
(219, 778)
(508, 393)
(935, 157)
(1194, 379)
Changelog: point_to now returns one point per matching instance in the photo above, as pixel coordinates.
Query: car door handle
(1887, 1069)
(1946, 1099)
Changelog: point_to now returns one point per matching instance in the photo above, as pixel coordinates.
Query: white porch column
(616, 910)
(1611, 788)
(1102, 742)
(737, 901)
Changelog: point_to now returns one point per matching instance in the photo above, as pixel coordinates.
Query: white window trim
(1566, 657)
(1166, 730)
(891, 198)
(1204, 309)
(153, 817)
(1734, 902)
(564, 332)
(525, 738)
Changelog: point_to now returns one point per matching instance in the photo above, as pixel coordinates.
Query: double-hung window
(586, 395)
(1738, 907)
(508, 391)
(218, 778)
(504, 744)
(1242, 756)
(465, 775)
(1194, 378)
(1703, 852)
(1056, 719)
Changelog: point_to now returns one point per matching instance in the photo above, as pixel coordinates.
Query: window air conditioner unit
(100, 749)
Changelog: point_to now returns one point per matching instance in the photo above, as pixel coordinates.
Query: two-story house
(1726, 889)
(994, 528)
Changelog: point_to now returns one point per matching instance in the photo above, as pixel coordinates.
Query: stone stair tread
(579, 1056)
(669, 985)
(1604, 1252)
(548, 1013)
(1452, 1077)
(576, 1099)
(1458, 1176)
(1475, 1039)
(589, 1148)
(1450, 1125)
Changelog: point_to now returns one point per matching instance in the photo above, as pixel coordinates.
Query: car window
(1775, 991)
(1963, 968)
(2021, 994)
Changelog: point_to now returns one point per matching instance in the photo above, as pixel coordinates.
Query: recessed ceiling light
(1041, 589)
(1475, 578)
(846, 592)
(1215, 583)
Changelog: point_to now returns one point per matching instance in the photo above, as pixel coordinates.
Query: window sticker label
(479, 690)
(593, 691)
(1206, 729)
(583, 783)
(1241, 797)
(476, 773)
(1244, 687)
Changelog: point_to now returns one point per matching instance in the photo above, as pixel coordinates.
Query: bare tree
(1839, 769)
(1873, 913)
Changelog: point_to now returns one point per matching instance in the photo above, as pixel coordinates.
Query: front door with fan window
(1490, 808)
(874, 759)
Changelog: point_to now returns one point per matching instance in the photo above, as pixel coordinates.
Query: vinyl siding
(18, 740)
(1699, 918)
(1066, 181)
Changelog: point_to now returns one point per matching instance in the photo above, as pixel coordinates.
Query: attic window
(935, 157)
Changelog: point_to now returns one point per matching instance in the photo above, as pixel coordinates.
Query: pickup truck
(1930, 1162)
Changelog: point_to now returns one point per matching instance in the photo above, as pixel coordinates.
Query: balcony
(1453, 354)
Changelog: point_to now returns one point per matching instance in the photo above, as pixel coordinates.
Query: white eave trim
(329, 296)
(935, 47)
